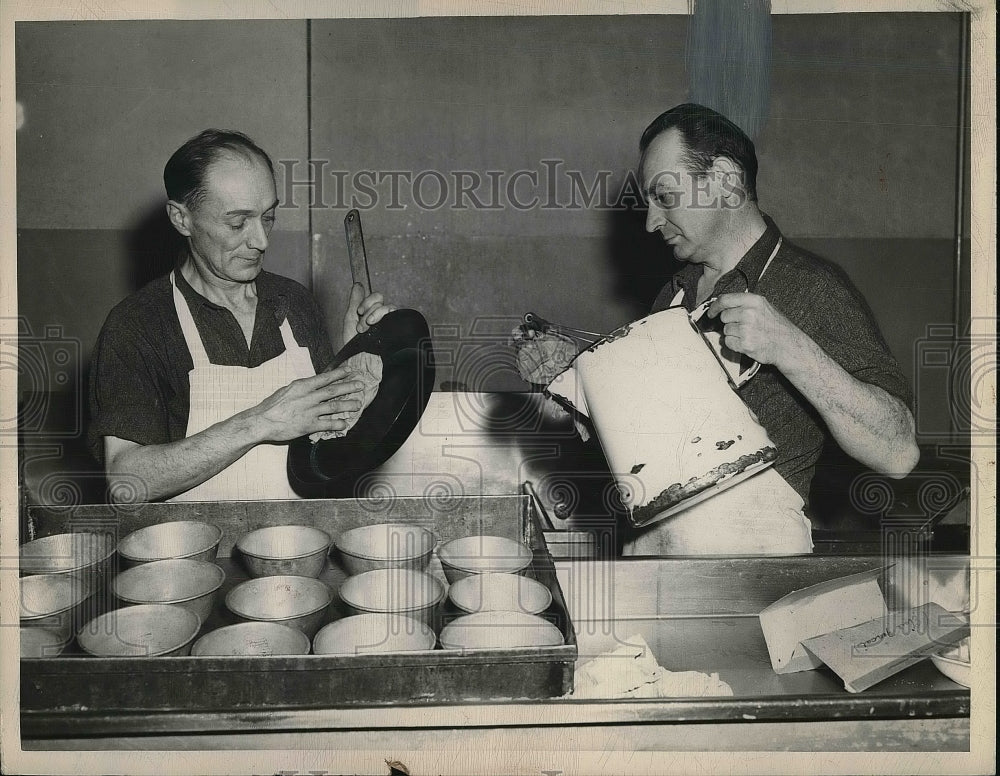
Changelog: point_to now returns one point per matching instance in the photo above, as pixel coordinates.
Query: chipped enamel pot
(673, 430)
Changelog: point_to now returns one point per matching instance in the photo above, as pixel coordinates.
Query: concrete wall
(857, 160)
(857, 163)
(105, 104)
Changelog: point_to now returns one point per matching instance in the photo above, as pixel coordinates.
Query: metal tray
(74, 683)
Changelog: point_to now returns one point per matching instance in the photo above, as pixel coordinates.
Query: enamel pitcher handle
(738, 380)
(744, 377)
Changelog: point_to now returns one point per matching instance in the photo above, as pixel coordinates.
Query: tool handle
(540, 324)
(356, 250)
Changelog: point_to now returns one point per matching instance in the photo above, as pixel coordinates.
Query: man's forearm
(154, 472)
(869, 424)
(302, 407)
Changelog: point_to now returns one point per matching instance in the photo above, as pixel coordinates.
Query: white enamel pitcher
(659, 392)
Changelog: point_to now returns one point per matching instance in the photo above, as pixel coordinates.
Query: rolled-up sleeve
(842, 324)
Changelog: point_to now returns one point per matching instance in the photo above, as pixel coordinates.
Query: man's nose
(654, 218)
(257, 236)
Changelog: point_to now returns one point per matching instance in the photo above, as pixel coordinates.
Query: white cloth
(366, 368)
(219, 392)
(631, 671)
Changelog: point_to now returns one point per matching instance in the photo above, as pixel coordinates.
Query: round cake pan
(394, 591)
(285, 550)
(482, 555)
(189, 539)
(83, 556)
(147, 630)
(372, 633)
(499, 630)
(42, 642)
(252, 639)
(192, 584)
(53, 601)
(499, 592)
(299, 602)
(385, 545)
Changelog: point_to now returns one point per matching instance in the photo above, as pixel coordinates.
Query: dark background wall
(105, 105)
(857, 160)
(858, 163)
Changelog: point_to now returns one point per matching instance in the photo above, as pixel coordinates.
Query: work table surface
(695, 614)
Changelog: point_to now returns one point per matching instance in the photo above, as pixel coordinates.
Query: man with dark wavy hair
(825, 368)
(201, 378)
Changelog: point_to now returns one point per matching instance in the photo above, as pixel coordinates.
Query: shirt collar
(750, 267)
(742, 277)
(268, 296)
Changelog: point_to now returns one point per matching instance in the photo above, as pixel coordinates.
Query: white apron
(219, 392)
(761, 515)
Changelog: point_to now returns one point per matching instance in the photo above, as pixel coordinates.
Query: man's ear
(729, 177)
(179, 216)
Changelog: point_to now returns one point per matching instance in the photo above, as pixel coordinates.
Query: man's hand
(305, 406)
(363, 312)
(300, 408)
(541, 357)
(871, 425)
(753, 327)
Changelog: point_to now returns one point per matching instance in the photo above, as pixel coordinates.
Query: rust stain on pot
(678, 492)
(616, 334)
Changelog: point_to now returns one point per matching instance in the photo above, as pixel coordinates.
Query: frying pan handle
(356, 250)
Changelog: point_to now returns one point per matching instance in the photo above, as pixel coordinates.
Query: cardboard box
(846, 624)
(868, 653)
(829, 606)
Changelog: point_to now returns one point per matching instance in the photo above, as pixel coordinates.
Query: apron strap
(195, 344)
(287, 336)
(191, 336)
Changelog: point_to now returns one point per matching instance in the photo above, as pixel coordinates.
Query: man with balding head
(200, 379)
